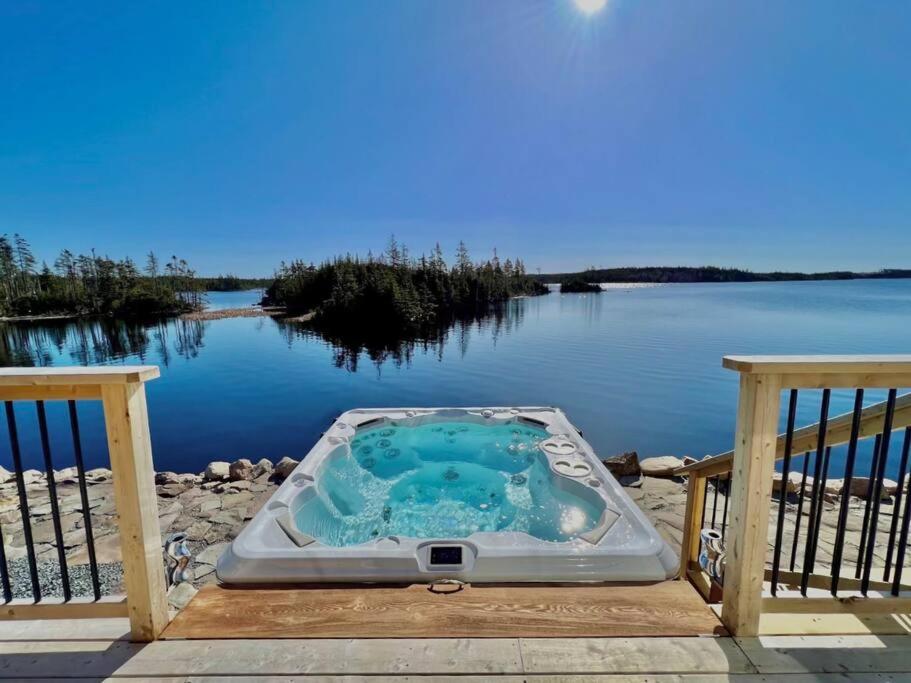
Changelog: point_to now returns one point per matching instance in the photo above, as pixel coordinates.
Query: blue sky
(773, 134)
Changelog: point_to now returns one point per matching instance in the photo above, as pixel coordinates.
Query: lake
(635, 369)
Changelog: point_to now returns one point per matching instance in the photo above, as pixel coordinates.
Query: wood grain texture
(56, 608)
(855, 364)
(670, 608)
(69, 375)
(129, 444)
(54, 392)
(751, 489)
(695, 500)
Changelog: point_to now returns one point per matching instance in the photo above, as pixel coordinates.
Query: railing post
(695, 501)
(127, 424)
(751, 491)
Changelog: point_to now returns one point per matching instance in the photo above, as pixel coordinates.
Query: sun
(590, 6)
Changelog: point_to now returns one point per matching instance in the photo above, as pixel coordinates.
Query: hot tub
(473, 494)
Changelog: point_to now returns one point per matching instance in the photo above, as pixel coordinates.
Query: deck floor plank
(785, 659)
(829, 654)
(670, 608)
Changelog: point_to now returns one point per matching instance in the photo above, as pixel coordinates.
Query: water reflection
(98, 341)
(386, 346)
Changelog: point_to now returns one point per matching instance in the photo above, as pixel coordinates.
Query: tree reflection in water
(350, 343)
(96, 341)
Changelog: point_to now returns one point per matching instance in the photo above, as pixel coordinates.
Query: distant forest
(232, 283)
(88, 284)
(709, 274)
(394, 293)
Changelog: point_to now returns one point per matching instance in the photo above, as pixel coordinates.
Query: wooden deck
(668, 608)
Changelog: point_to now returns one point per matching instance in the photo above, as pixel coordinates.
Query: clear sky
(763, 134)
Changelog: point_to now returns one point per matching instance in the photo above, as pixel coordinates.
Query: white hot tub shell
(622, 545)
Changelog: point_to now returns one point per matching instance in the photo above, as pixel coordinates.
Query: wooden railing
(122, 393)
(746, 476)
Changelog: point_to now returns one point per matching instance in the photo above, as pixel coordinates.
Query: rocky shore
(212, 507)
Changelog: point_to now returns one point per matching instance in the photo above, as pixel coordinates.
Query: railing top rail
(838, 431)
(782, 365)
(69, 376)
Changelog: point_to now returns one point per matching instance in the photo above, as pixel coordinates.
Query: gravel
(110, 576)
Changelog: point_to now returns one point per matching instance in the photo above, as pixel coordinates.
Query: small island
(88, 284)
(394, 293)
(579, 285)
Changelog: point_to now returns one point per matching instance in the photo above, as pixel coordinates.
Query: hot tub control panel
(445, 554)
(437, 557)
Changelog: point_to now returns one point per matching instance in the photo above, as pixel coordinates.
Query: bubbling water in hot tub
(443, 479)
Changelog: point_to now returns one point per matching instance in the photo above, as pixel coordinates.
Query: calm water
(443, 480)
(635, 369)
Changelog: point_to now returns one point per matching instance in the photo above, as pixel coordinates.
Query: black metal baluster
(896, 507)
(724, 515)
(705, 499)
(861, 551)
(783, 492)
(84, 496)
(809, 557)
(877, 488)
(52, 494)
(902, 542)
(23, 501)
(838, 550)
(715, 500)
(4, 572)
(800, 497)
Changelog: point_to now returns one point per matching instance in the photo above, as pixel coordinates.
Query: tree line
(89, 284)
(394, 292)
(668, 274)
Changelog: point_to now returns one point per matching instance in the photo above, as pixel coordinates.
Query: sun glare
(590, 6)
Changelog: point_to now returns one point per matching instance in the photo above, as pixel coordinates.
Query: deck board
(669, 608)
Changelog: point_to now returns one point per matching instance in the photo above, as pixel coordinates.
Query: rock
(98, 474)
(181, 594)
(201, 570)
(794, 479)
(860, 487)
(209, 504)
(285, 466)
(165, 521)
(171, 490)
(198, 530)
(232, 517)
(243, 485)
(66, 474)
(661, 466)
(624, 465)
(214, 535)
(211, 554)
(169, 508)
(165, 478)
(32, 477)
(264, 466)
(630, 480)
(217, 471)
(240, 470)
(5, 475)
(233, 500)
(107, 549)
